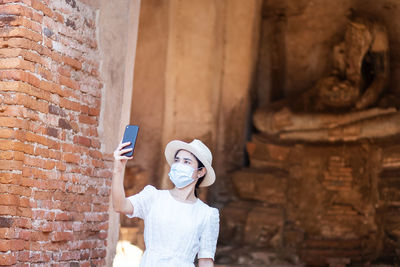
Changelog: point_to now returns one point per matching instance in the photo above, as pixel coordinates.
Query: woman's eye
(176, 160)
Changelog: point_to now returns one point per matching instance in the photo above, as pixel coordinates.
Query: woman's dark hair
(199, 165)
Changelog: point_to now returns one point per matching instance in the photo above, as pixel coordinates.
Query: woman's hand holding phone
(119, 159)
(121, 150)
(124, 151)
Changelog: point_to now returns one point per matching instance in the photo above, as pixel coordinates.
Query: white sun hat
(199, 150)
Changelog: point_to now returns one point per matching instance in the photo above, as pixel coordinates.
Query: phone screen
(130, 135)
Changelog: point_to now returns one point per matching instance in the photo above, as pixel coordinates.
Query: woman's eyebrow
(188, 159)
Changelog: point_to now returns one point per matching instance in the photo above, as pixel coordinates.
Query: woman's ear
(201, 172)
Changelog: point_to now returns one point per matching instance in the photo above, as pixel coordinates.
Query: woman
(178, 225)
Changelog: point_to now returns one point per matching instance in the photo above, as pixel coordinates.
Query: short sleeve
(142, 202)
(209, 237)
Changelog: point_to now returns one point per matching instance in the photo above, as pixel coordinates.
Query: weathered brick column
(54, 181)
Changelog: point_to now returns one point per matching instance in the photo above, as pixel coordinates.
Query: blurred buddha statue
(343, 105)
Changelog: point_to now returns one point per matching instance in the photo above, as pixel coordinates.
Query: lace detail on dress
(209, 237)
(142, 202)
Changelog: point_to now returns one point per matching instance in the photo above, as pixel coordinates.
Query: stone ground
(128, 255)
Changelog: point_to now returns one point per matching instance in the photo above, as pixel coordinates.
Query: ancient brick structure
(73, 73)
(54, 181)
(320, 204)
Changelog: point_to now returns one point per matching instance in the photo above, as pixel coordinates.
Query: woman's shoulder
(208, 209)
(150, 188)
(149, 191)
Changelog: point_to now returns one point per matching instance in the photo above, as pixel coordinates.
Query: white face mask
(181, 175)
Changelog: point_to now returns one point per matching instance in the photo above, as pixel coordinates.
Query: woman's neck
(185, 194)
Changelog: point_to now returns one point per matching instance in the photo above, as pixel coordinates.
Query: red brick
(64, 71)
(21, 76)
(22, 10)
(6, 222)
(96, 217)
(88, 119)
(98, 253)
(70, 255)
(8, 210)
(27, 23)
(24, 212)
(7, 233)
(71, 105)
(94, 111)
(11, 155)
(10, 165)
(13, 123)
(63, 216)
(68, 82)
(74, 188)
(45, 73)
(24, 234)
(72, 62)
(10, 200)
(98, 262)
(84, 109)
(95, 154)
(16, 63)
(13, 245)
(21, 32)
(59, 17)
(15, 189)
(18, 86)
(96, 143)
(40, 6)
(6, 178)
(71, 158)
(8, 258)
(24, 223)
(84, 141)
(43, 215)
(38, 162)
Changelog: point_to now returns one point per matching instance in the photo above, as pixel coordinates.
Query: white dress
(174, 231)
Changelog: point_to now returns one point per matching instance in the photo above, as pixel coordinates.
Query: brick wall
(54, 181)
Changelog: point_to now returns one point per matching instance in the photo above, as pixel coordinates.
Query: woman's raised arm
(120, 203)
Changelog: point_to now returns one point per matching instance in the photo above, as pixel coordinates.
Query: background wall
(193, 76)
(194, 70)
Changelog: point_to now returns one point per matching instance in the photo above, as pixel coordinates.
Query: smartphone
(130, 135)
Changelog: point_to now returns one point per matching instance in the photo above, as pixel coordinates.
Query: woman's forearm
(118, 192)
(205, 262)
(120, 203)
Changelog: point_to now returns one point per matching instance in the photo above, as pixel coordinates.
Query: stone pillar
(241, 37)
(192, 72)
(212, 47)
(118, 50)
(147, 109)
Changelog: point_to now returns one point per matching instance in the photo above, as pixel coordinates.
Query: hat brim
(176, 145)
